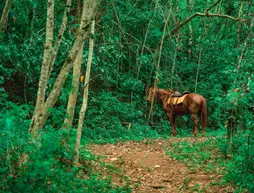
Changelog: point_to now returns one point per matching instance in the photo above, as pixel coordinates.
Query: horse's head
(150, 94)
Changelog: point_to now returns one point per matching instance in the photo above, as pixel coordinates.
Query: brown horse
(193, 104)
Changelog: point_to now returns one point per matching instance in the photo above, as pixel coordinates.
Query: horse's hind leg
(174, 125)
(195, 120)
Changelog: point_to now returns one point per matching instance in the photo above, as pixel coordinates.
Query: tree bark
(200, 56)
(5, 14)
(39, 118)
(39, 108)
(158, 64)
(173, 63)
(188, 7)
(85, 96)
(59, 36)
(74, 90)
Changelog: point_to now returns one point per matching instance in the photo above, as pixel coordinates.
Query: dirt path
(148, 169)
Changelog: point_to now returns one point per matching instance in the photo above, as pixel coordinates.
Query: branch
(219, 15)
(180, 25)
(201, 15)
(212, 6)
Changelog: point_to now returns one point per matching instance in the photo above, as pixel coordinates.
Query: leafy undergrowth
(216, 156)
(198, 154)
(50, 167)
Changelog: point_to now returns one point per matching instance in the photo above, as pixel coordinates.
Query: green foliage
(216, 155)
(197, 155)
(112, 119)
(49, 167)
(240, 168)
(128, 33)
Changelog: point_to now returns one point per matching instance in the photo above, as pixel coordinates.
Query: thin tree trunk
(174, 63)
(32, 23)
(38, 112)
(200, 56)
(74, 90)
(249, 7)
(85, 96)
(162, 41)
(39, 118)
(177, 37)
(59, 36)
(190, 31)
(158, 64)
(244, 48)
(244, 45)
(238, 29)
(139, 62)
(5, 14)
(190, 40)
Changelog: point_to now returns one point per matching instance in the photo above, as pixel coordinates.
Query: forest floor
(145, 167)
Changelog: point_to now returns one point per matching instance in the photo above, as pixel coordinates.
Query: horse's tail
(204, 114)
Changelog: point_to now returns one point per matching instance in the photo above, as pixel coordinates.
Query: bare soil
(147, 168)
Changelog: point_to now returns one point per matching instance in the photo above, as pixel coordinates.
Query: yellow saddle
(176, 100)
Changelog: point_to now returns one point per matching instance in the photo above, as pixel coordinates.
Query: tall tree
(5, 14)
(85, 96)
(43, 105)
(48, 47)
(74, 90)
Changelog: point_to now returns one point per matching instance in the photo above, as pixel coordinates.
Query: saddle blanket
(176, 100)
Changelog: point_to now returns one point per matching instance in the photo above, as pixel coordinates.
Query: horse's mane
(166, 91)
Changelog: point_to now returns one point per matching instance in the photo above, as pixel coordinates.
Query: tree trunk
(244, 47)
(5, 14)
(200, 56)
(173, 64)
(158, 64)
(190, 31)
(139, 62)
(59, 36)
(40, 116)
(39, 108)
(85, 96)
(74, 90)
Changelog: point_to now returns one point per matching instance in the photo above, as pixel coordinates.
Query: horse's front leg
(172, 120)
(195, 120)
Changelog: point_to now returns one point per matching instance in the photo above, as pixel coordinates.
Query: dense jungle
(75, 77)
